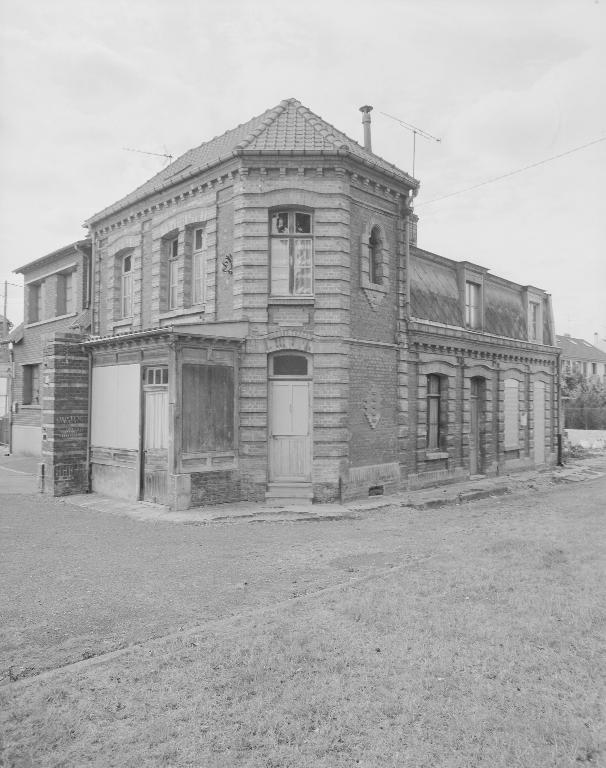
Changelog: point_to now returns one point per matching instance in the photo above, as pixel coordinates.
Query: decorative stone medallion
(372, 406)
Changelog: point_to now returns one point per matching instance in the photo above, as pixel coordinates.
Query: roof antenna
(155, 154)
(414, 130)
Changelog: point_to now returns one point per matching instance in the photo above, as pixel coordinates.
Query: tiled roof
(579, 349)
(50, 256)
(289, 127)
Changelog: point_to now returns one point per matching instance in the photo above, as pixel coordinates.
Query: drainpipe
(88, 418)
(366, 110)
(560, 462)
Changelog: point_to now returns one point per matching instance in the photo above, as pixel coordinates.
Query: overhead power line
(513, 173)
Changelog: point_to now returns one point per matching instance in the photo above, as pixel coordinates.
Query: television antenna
(414, 130)
(155, 154)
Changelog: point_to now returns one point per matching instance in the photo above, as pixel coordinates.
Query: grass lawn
(488, 650)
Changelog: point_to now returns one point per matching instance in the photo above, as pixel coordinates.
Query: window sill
(435, 455)
(198, 309)
(29, 407)
(122, 323)
(290, 300)
(51, 320)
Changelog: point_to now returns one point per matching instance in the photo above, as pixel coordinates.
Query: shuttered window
(433, 412)
(512, 415)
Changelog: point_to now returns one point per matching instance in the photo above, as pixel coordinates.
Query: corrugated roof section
(288, 127)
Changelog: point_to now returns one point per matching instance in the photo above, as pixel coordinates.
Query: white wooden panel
(115, 406)
(300, 408)
(156, 419)
(512, 410)
(281, 408)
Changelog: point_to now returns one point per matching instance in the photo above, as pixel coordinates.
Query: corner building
(264, 326)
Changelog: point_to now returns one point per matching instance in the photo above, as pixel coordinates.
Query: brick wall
(65, 415)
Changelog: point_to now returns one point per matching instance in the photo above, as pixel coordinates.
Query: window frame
(433, 441)
(65, 294)
(473, 310)
(35, 302)
(30, 392)
(172, 251)
(198, 267)
(292, 237)
(126, 286)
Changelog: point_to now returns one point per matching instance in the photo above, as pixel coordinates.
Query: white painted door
(290, 433)
(155, 444)
(539, 422)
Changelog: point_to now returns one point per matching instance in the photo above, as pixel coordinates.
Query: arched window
(434, 414)
(126, 286)
(289, 364)
(375, 248)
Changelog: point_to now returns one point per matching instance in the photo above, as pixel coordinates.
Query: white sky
(504, 83)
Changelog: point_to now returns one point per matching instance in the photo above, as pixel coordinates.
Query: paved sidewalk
(428, 498)
(18, 474)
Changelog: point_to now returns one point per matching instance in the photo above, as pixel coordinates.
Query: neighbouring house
(56, 299)
(579, 356)
(263, 325)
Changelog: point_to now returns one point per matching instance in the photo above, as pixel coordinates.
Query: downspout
(89, 419)
(11, 379)
(560, 462)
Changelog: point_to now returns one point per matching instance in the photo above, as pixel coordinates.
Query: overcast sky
(503, 83)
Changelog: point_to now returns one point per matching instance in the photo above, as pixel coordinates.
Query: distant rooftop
(579, 349)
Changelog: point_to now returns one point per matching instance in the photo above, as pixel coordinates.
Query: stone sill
(199, 309)
(435, 455)
(122, 323)
(51, 320)
(291, 300)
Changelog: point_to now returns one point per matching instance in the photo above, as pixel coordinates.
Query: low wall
(586, 438)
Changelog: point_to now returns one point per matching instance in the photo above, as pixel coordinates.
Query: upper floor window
(172, 247)
(291, 254)
(35, 300)
(535, 320)
(65, 293)
(31, 385)
(126, 286)
(473, 305)
(198, 265)
(375, 256)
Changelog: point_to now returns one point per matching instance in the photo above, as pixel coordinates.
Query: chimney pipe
(366, 110)
(596, 339)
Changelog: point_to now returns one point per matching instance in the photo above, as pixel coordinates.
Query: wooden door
(476, 436)
(155, 444)
(290, 434)
(539, 422)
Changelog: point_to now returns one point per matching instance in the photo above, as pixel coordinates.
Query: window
(594, 368)
(290, 364)
(35, 302)
(126, 287)
(375, 257)
(64, 294)
(473, 305)
(534, 320)
(156, 376)
(291, 254)
(31, 385)
(512, 415)
(198, 254)
(173, 271)
(433, 412)
(208, 400)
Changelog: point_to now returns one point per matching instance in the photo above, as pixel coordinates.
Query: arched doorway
(290, 418)
(478, 425)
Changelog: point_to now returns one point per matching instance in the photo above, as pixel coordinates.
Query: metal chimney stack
(366, 110)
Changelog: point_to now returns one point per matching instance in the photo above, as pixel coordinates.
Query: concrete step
(279, 494)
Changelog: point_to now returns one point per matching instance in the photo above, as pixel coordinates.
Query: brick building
(263, 325)
(56, 297)
(579, 356)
